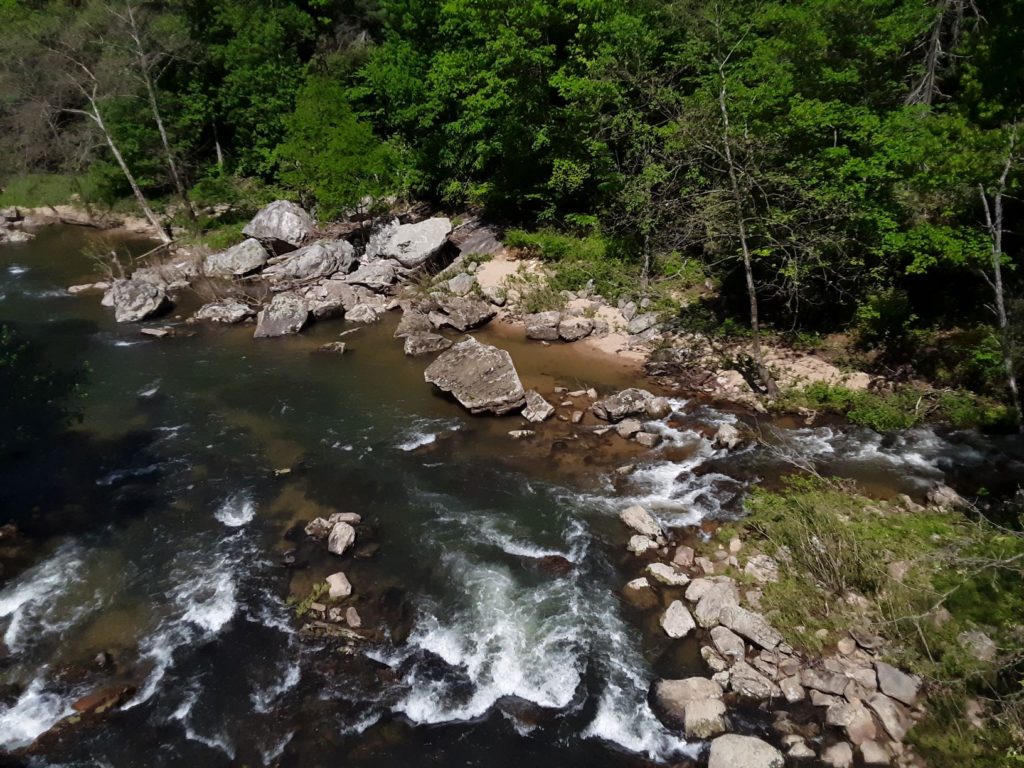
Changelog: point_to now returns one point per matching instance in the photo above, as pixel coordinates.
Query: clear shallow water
(497, 635)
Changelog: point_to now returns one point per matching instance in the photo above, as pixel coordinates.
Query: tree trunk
(748, 268)
(136, 190)
(147, 79)
(994, 220)
(216, 144)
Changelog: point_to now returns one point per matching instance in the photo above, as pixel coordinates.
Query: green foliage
(900, 409)
(42, 189)
(332, 156)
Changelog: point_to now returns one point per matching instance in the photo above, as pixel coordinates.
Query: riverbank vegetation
(822, 166)
(942, 585)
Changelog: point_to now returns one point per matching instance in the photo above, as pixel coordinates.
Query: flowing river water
(486, 570)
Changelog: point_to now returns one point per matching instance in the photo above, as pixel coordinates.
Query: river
(486, 570)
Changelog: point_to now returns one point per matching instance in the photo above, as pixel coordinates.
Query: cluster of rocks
(859, 703)
(339, 532)
(12, 223)
(633, 412)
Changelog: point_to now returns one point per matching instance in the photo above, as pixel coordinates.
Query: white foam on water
(236, 510)
(276, 749)
(417, 440)
(183, 714)
(361, 724)
(35, 712)
(425, 432)
(150, 389)
(31, 601)
(264, 699)
(17, 270)
(127, 343)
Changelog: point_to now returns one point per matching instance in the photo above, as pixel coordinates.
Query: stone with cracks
(287, 313)
(417, 344)
(248, 256)
(543, 326)
(734, 751)
(855, 718)
(466, 312)
(714, 600)
(728, 643)
(481, 377)
(638, 544)
(727, 436)
(282, 224)
(412, 323)
(364, 313)
(342, 537)
(640, 520)
(628, 402)
(677, 621)
(891, 715)
(751, 684)
(627, 428)
(537, 408)
(331, 298)
(750, 625)
(228, 311)
(312, 262)
(411, 245)
(672, 696)
(135, 300)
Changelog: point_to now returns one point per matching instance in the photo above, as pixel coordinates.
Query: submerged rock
(287, 313)
(228, 311)
(283, 225)
(241, 259)
(537, 408)
(411, 245)
(481, 377)
(135, 300)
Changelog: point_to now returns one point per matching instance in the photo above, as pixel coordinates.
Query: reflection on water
(485, 568)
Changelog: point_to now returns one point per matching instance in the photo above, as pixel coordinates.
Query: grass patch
(899, 409)
(960, 573)
(38, 190)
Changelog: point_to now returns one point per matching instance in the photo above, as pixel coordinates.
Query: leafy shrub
(885, 319)
(41, 189)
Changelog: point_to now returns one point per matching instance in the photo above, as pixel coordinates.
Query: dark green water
(486, 570)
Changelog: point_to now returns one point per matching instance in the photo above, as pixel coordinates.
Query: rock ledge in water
(481, 377)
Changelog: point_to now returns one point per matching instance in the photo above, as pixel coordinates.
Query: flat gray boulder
(481, 377)
(312, 262)
(228, 311)
(417, 344)
(465, 312)
(411, 245)
(282, 225)
(135, 300)
(248, 256)
(287, 313)
(750, 625)
(671, 697)
(734, 751)
(376, 275)
(575, 328)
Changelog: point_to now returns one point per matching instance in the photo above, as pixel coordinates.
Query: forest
(830, 167)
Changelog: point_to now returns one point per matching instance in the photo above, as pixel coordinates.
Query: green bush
(41, 189)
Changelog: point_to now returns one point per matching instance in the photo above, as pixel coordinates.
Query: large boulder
(735, 751)
(671, 697)
(750, 625)
(341, 537)
(466, 312)
(135, 300)
(704, 718)
(376, 275)
(413, 323)
(575, 328)
(248, 256)
(640, 520)
(481, 377)
(282, 225)
(897, 684)
(287, 313)
(628, 402)
(543, 325)
(411, 245)
(228, 311)
(677, 621)
(312, 262)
